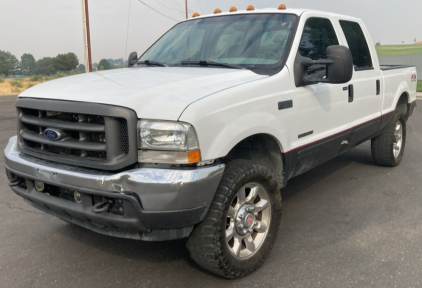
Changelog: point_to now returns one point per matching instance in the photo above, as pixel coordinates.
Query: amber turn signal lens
(282, 7)
(233, 9)
(250, 7)
(196, 14)
(217, 10)
(194, 156)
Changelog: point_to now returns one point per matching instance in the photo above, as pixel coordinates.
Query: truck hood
(152, 92)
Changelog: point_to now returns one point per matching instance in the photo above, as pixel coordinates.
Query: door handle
(351, 93)
(378, 87)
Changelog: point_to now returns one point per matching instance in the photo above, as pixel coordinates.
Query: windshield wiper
(153, 63)
(212, 63)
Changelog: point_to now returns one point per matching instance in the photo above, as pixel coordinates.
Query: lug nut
(245, 231)
(256, 214)
(240, 226)
(240, 215)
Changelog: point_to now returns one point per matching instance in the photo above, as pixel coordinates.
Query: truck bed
(393, 67)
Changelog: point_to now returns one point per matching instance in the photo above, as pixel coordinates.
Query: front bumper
(159, 204)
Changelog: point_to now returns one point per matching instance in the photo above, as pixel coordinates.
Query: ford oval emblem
(52, 134)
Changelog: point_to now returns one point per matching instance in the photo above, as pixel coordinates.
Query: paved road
(347, 223)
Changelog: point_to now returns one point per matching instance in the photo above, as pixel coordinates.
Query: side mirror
(339, 67)
(133, 57)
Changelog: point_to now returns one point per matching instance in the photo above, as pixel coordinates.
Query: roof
(293, 11)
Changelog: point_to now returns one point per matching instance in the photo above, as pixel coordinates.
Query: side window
(357, 44)
(317, 36)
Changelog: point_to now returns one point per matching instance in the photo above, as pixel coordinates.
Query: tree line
(28, 66)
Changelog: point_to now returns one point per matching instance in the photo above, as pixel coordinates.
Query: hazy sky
(49, 27)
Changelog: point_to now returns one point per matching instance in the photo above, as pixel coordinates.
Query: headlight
(167, 142)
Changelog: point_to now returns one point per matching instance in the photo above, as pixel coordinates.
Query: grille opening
(60, 150)
(96, 137)
(70, 117)
(32, 144)
(125, 136)
(33, 128)
(30, 112)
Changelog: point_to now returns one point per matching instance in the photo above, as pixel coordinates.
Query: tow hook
(15, 182)
(101, 207)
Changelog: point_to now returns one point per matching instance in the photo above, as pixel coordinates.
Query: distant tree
(104, 65)
(44, 66)
(378, 44)
(416, 40)
(81, 67)
(8, 63)
(28, 64)
(65, 62)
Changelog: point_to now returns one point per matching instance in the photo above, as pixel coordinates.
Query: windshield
(252, 41)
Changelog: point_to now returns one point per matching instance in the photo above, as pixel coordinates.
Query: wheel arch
(403, 104)
(264, 149)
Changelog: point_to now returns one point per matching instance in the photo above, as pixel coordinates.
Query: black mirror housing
(339, 68)
(341, 71)
(133, 57)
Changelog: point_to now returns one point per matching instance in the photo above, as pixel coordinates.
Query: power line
(169, 7)
(200, 7)
(159, 12)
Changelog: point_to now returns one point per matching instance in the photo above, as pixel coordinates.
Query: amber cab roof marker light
(282, 7)
(250, 8)
(217, 10)
(196, 14)
(233, 9)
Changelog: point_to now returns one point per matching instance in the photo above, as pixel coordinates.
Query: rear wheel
(388, 147)
(242, 224)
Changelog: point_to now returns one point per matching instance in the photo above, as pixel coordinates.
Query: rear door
(365, 86)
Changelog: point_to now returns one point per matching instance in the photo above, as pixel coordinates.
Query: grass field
(419, 86)
(399, 49)
(15, 86)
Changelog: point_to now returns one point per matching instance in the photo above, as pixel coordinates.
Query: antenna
(87, 36)
(186, 5)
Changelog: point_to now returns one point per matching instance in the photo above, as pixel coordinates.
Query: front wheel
(388, 147)
(242, 224)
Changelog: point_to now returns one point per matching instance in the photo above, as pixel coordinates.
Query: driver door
(323, 112)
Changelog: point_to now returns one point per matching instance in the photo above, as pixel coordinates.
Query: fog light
(39, 186)
(78, 197)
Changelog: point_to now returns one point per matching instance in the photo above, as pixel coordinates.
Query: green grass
(399, 49)
(17, 83)
(36, 78)
(419, 86)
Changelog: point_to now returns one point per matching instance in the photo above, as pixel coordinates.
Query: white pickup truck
(197, 137)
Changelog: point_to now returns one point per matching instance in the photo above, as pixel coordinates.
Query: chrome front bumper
(160, 198)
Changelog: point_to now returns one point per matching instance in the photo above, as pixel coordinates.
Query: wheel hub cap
(245, 220)
(398, 139)
(248, 220)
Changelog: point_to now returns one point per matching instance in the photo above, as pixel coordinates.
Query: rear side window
(358, 45)
(317, 36)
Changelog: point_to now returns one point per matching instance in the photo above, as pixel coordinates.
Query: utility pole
(87, 36)
(186, 5)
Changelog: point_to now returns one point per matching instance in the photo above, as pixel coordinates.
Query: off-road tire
(382, 145)
(207, 244)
